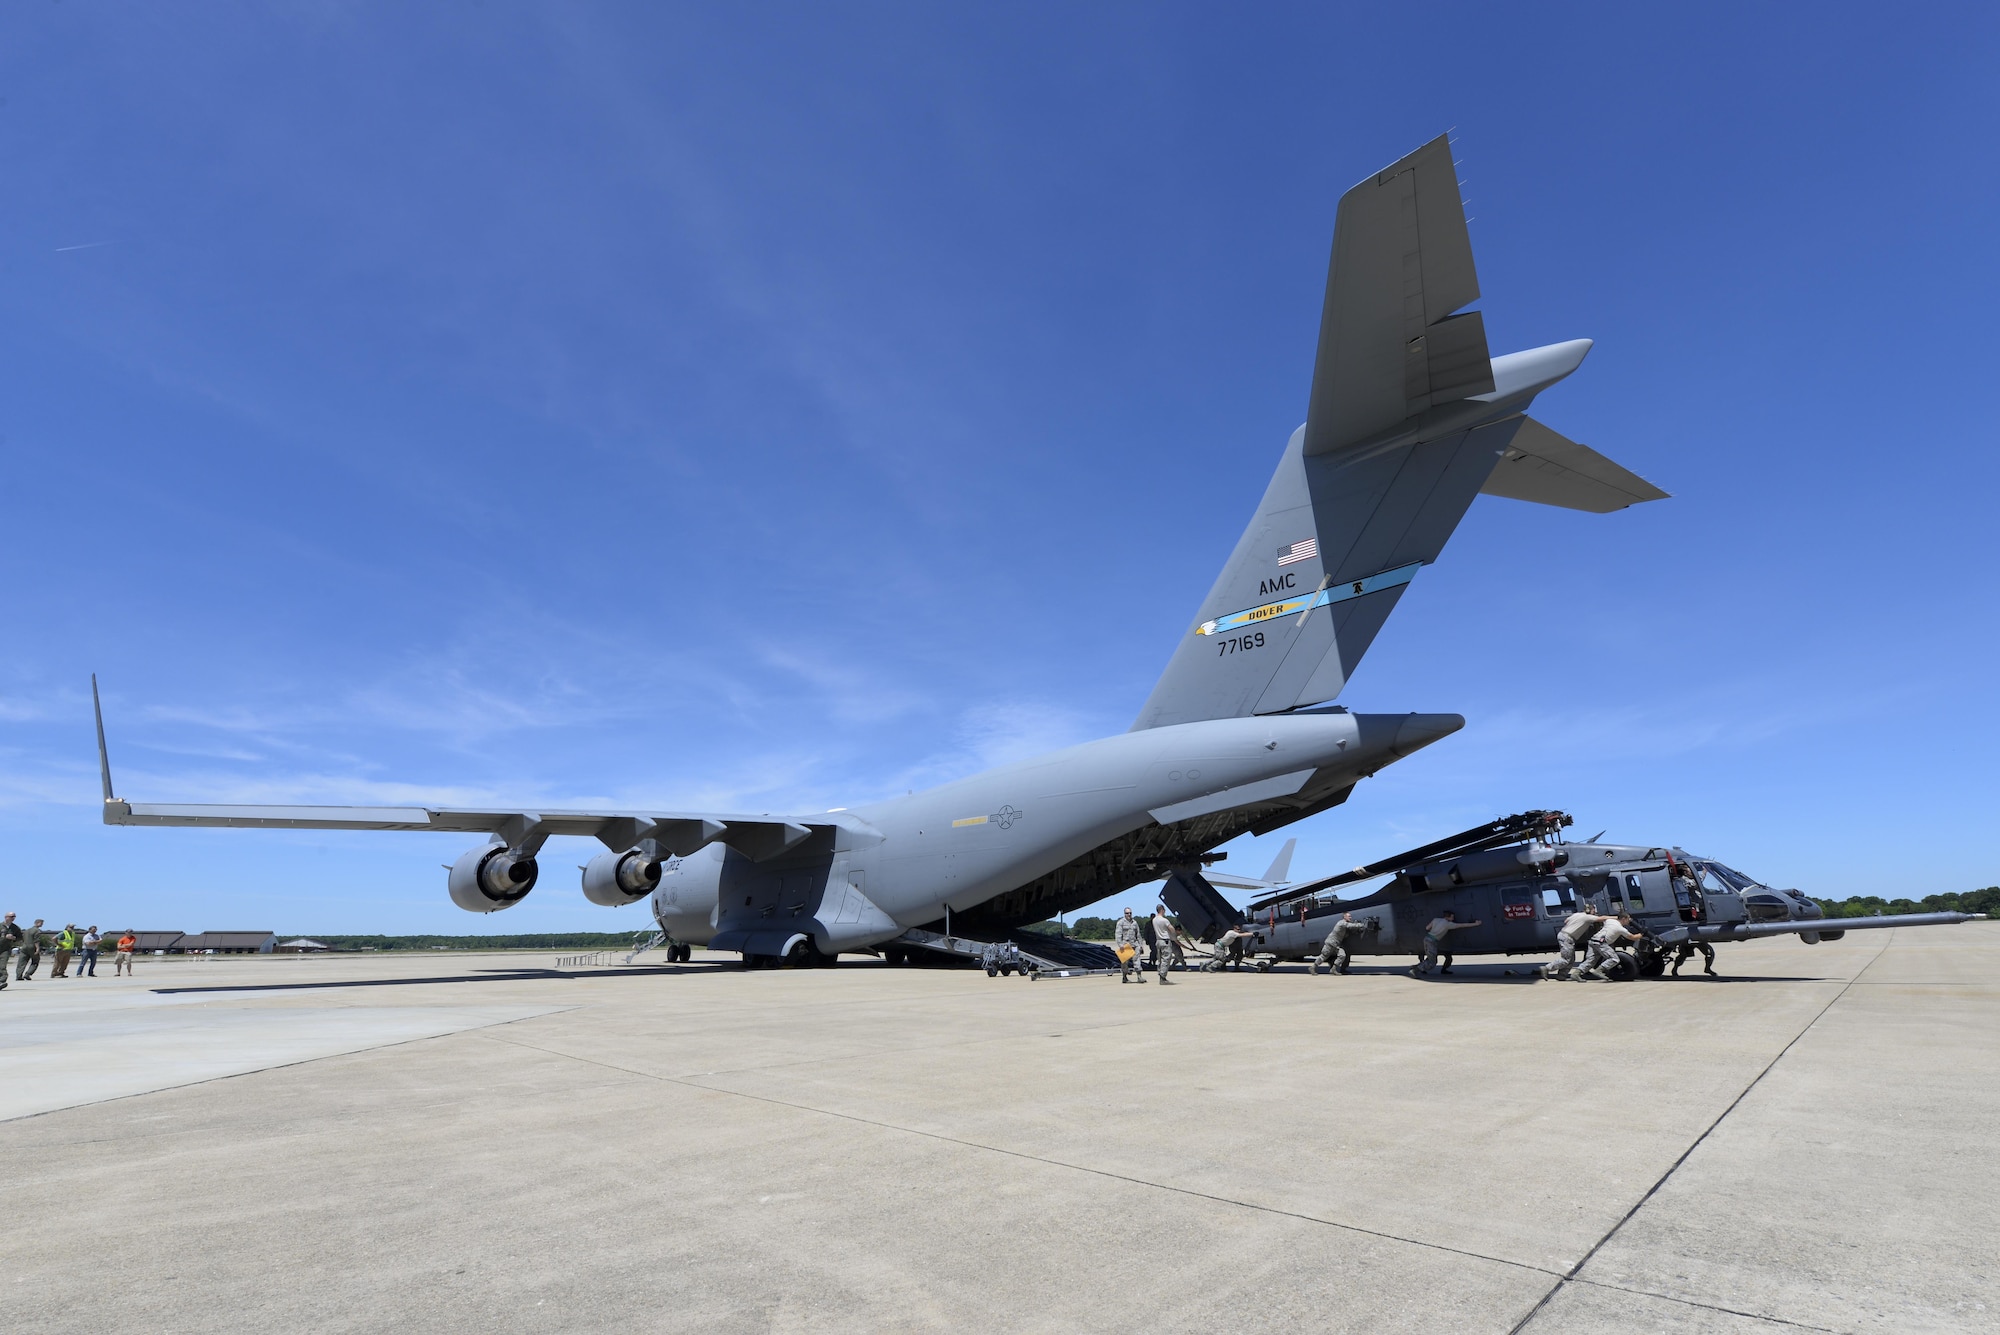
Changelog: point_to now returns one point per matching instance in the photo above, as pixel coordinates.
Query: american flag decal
(1298, 551)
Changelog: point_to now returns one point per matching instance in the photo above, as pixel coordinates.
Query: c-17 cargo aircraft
(1409, 418)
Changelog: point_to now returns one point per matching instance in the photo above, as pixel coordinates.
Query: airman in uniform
(1229, 949)
(1435, 935)
(1126, 936)
(28, 957)
(10, 941)
(1577, 929)
(1164, 936)
(1604, 947)
(1686, 952)
(1333, 951)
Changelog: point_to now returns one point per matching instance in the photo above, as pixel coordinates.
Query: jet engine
(1493, 863)
(617, 879)
(492, 878)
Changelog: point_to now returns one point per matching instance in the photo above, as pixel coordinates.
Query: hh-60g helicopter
(1512, 882)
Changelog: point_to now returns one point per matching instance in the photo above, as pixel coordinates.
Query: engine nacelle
(492, 878)
(617, 879)
(1493, 863)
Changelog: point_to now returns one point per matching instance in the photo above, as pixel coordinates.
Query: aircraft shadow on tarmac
(477, 976)
(1488, 975)
(1515, 975)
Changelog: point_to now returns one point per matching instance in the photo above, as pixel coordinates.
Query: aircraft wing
(679, 832)
(1542, 466)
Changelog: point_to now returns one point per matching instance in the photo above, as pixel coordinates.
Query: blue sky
(769, 408)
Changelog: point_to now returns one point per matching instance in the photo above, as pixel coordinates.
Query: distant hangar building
(206, 943)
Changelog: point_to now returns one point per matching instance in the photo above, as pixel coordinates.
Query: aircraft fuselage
(881, 868)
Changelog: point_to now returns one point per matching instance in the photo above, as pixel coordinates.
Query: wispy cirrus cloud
(845, 693)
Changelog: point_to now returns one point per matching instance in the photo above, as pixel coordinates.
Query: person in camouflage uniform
(1333, 952)
(1125, 932)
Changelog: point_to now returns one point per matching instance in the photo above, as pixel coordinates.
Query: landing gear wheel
(1652, 964)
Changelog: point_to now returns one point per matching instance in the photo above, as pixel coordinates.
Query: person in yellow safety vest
(65, 948)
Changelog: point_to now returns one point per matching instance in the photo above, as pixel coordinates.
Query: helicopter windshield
(1734, 879)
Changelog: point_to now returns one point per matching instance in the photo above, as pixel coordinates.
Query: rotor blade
(1478, 838)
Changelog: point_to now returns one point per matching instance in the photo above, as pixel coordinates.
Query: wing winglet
(103, 754)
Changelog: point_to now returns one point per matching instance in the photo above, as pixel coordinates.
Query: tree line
(1985, 901)
(526, 941)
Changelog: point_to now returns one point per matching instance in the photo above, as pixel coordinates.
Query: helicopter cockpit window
(1736, 880)
(1711, 884)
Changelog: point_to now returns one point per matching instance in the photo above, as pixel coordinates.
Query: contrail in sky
(88, 245)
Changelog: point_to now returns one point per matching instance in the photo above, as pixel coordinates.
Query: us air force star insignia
(1005, 817)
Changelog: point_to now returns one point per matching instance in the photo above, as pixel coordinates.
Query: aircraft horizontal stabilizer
(1550, 469)
(1281, 867)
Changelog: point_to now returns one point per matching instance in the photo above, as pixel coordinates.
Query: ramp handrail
(592, 960)
(639, 948)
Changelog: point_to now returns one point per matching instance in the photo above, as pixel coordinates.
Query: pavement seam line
(1674, 1167)
(282, 1066)
(1031, 1158)
(1707, 1307)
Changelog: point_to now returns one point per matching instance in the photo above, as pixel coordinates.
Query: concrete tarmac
(486, 1143)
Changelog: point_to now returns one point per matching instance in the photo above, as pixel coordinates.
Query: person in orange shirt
(123, 961)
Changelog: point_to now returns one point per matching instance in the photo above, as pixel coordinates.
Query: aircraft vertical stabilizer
(1408, 417)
